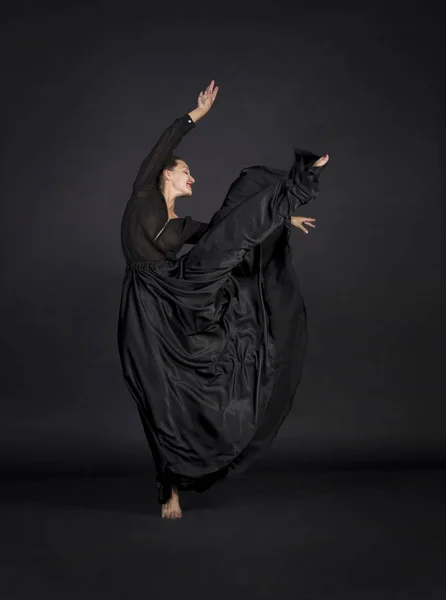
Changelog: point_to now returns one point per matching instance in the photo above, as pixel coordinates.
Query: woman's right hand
(301, 221)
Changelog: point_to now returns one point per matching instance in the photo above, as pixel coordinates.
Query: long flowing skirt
(212, 343)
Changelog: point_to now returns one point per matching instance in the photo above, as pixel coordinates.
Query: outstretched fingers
(300, 221)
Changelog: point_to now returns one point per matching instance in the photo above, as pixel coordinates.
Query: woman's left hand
(300, 221)
(206, 99)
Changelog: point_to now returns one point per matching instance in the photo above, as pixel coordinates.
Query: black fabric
(212, 343)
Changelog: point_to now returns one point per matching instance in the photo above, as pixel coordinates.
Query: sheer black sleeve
(161, 152)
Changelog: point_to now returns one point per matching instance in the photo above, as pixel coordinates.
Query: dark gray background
(87, 91)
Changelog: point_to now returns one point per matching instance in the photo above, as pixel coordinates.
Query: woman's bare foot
(172, 509)
(321, 161)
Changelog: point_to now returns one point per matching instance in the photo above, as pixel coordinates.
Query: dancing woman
(212, 342)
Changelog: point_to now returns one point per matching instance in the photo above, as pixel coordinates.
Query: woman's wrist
(196, 114)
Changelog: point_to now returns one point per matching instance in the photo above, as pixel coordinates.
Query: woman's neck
(170, 204)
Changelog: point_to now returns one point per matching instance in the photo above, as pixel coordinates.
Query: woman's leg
(257, 203)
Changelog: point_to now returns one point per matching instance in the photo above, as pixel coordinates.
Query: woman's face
(180, 179)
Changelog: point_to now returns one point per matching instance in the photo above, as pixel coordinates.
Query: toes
(171, 510)
(171, 514)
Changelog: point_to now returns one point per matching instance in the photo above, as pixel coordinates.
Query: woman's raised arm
(170, 139)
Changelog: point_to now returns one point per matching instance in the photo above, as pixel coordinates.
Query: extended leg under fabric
(257, 203)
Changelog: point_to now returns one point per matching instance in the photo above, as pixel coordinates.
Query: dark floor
(313, 533)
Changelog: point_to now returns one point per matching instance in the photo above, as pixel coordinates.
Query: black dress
(212, 343)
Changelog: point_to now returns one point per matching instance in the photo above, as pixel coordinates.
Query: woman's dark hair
(170, 165)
